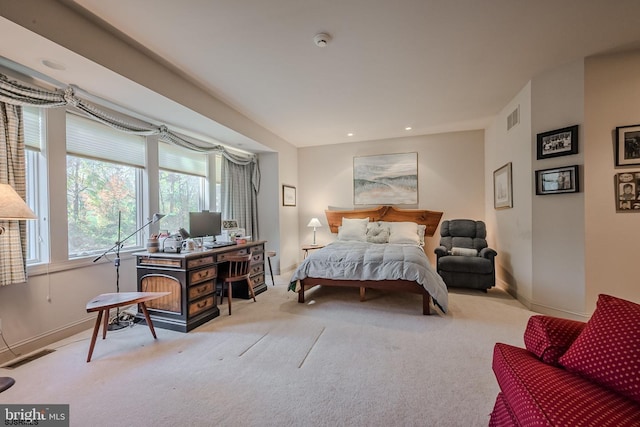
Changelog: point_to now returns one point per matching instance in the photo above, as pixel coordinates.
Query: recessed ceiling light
(350, 134)
(53, 65)
(408, 128)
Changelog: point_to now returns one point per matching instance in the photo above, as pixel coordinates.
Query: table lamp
(315, 223)
(12, 207)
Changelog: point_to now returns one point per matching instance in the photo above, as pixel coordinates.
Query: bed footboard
(386, 285)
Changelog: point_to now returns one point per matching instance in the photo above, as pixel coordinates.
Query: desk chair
(238, 271)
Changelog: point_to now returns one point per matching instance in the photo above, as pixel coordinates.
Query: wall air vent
(513, 118)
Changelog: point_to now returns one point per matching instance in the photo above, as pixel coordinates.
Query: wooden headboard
(430, 219)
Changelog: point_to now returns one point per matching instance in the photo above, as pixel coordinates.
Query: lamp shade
(12, 206)
(157, 217)
(315, 222)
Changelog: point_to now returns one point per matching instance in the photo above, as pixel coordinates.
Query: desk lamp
(315, 223)
(12, 207)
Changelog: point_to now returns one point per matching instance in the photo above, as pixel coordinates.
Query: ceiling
(432, 65)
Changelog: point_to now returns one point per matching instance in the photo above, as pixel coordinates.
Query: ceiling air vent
(513, 118)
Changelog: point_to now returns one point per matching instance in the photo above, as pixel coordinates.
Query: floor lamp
(12, 207)
(116, 247)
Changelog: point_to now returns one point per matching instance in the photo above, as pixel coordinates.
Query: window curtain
(13, 242)
(239, 192)
(241, 182)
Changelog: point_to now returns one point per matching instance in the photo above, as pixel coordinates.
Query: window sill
(72, 264)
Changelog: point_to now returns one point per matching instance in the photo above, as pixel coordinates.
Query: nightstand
(307, 248)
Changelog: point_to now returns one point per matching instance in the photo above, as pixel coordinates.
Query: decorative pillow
(549, 337)
(377, 233)
(607, 351)
(464, 251)
(353, 229)
(404, 232)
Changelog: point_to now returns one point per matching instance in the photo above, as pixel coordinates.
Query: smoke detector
(321, 39)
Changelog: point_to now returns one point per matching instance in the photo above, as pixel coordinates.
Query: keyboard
(213, 245)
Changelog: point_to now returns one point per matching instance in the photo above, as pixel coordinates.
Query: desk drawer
(256, 268)
(257, 279)
(257, 257)
(201, 290)
(200, 262)
(224, 256)
(202, 275)
(201, 305)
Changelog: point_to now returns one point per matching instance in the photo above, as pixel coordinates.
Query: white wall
(612, 94)
(557, 99)
(511, 228)
(450, 178)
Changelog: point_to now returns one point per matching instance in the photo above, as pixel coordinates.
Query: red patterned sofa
(572, 373)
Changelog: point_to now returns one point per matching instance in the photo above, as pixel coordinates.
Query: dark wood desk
(191, 278)
(104, 302)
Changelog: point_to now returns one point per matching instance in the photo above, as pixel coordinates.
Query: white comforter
(373, 261)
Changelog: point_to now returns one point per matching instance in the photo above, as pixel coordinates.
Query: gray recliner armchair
(463, 258)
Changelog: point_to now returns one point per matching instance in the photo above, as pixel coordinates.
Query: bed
(379, 248)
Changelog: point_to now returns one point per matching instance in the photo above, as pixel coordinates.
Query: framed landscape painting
(389, 179)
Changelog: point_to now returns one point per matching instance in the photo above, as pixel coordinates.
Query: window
(182, 185)
(104, 186)
(36, 190)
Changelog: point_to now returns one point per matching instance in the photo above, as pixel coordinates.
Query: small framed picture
(557, 180)
(628, 192)
(229, 224)
(288, 195)
(560, 142)
(628, 145)
(502, 191)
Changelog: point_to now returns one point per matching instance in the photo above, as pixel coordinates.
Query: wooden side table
(307, 248)
(104, 302)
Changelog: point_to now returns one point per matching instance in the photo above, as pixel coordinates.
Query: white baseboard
(43, 340)
(541, 308)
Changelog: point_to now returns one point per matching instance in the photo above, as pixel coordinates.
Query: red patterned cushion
(501, 414)
(539, 394)
(608, 349)
(549, 337)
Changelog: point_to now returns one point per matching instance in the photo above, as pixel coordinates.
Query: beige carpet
(333, 361)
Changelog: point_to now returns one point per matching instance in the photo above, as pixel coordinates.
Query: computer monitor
(205, 223)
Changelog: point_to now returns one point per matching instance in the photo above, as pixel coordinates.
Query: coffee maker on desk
(170, 243)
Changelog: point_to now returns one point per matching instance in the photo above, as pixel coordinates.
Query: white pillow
(464, 251)
(353, 229)
(404, 232)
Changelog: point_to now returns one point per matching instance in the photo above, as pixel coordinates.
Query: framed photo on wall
(557, 180)
(288, 195)
(628, 145)
(502, 190)
(628, 192)
(559, 142)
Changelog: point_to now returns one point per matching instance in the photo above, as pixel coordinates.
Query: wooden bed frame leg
(301, 295)
(425, 304)
(362, 290)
